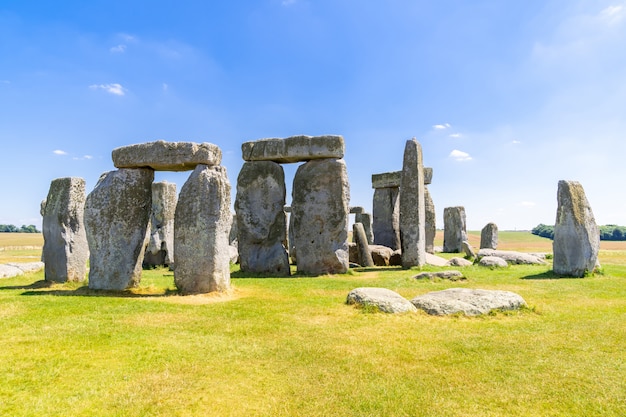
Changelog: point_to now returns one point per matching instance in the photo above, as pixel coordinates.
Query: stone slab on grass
(451, 275)
(294, 149)
(28, 267)
(435, 260)
(385, 300)
(512, 257)
(167, 156)
(9, 271)
(467, 301)
(493, 262)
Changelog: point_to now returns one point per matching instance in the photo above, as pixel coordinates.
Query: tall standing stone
(261, 219)
(412, 210)
(489, 236)
(576, 236)
(65, 247)
(160, 250)
(201, 228)
(430, 224)
(454, 229)
(363, 250)
(366, 220)
(386, 217)
(321, 195)
(117, 212)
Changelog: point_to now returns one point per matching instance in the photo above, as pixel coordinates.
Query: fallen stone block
(385, 300)
(467, 301)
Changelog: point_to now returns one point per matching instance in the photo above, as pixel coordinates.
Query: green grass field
(292, 347)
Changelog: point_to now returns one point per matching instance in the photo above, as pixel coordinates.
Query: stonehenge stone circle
(261, 219)
(412, 210)
(167, 156)
(117, 212)
(363, 250)
(366, 220)
(454, 229)
(201, 228)
(576, 236)
(386, 217)
(160, 249)
(294, 149)
(489, 236)
(320, 198)
(65, 245)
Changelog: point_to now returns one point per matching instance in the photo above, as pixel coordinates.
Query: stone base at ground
(450, 275)
(512, 257)
(385, 300)
(467, 301)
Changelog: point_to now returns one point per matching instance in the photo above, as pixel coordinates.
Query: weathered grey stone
(291, 241)
(385, 300)
(28, 267)
(576, 236)
(357, 210)
(467, 301)
(117, 212)
(386, 217)
(459, 262)
(430, 225)
(65, 247)
(160, 250)
(380, 254)
(10, 271)
(493, 262)
(294, 149)
(366, 220)
(167, 156)
(468, 249)
(201, 228)
(435, 260)
(232, 234)
(365, 257)
(320, 199)
(386, 180)
(262, 230)
(489, 236)
(412, 209)
(512, 257)
(353, 253)
(428, 175)
(449, 275)
(454, 229)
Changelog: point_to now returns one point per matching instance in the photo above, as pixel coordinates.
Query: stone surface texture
(381, 255)
(320, 207)
(167, 156)
(467, 301)
(450, 275)
(363, 251)
(430, 218)
(261, 219)
(493, 262)
(65, 247)
(456, 261)
(468, 249)
(386, 179)
(385, 300)
(454, 229)
(576, 236)
(435, 260)
(117, 213)
(386, 217)
(489, 236)
(10, 271)
(160, 250)
(366, 220)
(201, 229)
(412, 209)
(294, 149)
(512, 257)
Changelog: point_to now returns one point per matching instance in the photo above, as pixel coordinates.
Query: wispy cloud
(119, 49)
(456, 135)
(613, 14)
(59, 152)
(442, 126)
(114, 88)
(460, 156)
(83, 158)
(515, 142)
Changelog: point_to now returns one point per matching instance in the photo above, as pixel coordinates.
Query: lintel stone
(294, 149)
(392, 179)
(167, 156)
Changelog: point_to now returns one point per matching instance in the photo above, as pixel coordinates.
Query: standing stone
(321, 195)
(454, 229)
(291, 239)
(430, 225)
(489, 236)
(65, 242)
(412, 210)
(160, 250)
(117, 213)
(201, 228)
(366, 219)
(365, 257)
(576, 236)
(261, 219)
(386, 217)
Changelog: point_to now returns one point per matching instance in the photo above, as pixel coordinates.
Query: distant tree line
(9, 228)
(608, 232)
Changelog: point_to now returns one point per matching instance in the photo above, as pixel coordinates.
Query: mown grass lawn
(293, 347)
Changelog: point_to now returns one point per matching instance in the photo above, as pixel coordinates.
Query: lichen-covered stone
(467, 301)
(294, 149)
(383, 299)
(366, 220)
(320, 207)
(512, 257)
(386, 217)
(117, 212)
(201, 228)
(454, 229)
(65, 245)
(160, 250)
(412, 209)
(261, 219)
(576, 236)
(386, 180)
(489, 236)
(167, 156)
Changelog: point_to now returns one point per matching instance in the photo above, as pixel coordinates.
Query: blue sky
(506, 98)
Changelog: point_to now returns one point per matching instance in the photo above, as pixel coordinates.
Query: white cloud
(460, 156)
(613, 14)
(84, 157)
(119, 49)
(59, 152)
(114, 88)
(442, 126)
(456, 135)
(516, 142)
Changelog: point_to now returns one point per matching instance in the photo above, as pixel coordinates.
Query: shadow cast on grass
(39, 288)
(548, 275)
